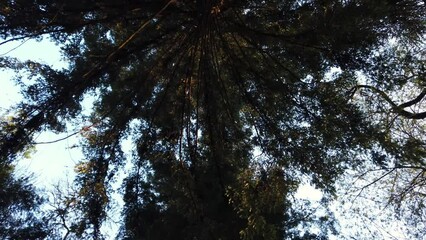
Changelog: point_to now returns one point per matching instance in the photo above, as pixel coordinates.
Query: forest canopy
(230, 106)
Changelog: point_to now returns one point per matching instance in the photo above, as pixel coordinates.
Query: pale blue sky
(50, 162)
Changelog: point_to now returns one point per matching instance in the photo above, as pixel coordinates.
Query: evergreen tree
(227, 103)
(18, 207)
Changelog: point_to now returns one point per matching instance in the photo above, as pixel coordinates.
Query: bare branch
(414, 101)
(399, 109)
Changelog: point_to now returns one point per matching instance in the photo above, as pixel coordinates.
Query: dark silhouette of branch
(399, 109)
(58, 140)
(414, 101)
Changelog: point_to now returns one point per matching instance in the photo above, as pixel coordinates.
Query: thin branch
(372, 183)
(13, 49)
(57, 140)
(111, 56)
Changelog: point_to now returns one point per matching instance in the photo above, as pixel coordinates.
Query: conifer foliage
(228, 104)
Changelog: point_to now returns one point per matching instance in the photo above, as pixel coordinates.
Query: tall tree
(227, 103)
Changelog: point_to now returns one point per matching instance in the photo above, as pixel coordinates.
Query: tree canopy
(230, 106)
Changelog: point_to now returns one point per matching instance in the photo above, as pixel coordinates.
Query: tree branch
(399, 109)
(414, 101)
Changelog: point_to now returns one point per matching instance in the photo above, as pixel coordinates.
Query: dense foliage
(18, 217)
(230, 106)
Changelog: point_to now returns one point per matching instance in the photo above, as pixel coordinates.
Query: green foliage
(19, 202)
(202, 87)
(260, 200)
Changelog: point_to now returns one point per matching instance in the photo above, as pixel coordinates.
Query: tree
(399, 179)
(202, 88)
(18, 207)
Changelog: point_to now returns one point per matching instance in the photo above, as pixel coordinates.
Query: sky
(49, 162)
